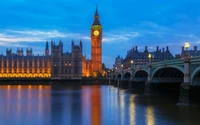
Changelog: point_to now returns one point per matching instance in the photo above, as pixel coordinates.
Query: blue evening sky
(126, 23)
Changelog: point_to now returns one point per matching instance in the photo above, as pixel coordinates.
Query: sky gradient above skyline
(125, 23)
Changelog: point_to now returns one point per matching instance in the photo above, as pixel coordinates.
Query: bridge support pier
(147, 89)
(124, 84)
(185, 86)
(136, 87)
(111, 82)
(184, 94)
(117, 83)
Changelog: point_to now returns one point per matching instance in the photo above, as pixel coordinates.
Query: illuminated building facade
(58, 65)
(26, 66)
(91, 67)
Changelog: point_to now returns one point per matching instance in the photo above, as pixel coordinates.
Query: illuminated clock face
(96, 32)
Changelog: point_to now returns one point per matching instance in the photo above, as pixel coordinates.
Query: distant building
(191, 53)
(118, 62)
(141, 58)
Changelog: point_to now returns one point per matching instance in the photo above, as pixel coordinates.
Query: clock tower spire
(96, 44)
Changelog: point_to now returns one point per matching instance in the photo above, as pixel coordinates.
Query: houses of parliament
(57, 64)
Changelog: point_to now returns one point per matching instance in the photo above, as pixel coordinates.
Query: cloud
(118, 37)
(32, 35)
(25, 36)
(6, 44)
(155, 26)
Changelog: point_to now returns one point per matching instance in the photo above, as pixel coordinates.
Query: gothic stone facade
(58, 65)
(66, 65)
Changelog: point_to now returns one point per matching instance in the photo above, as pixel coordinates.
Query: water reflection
(132, 114)
(87, 105)
(150, 119)
(122, 106)
(95, 105)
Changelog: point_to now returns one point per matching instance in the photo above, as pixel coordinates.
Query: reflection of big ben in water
(96, 44)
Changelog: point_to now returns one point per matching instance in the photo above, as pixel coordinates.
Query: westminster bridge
(180, 74)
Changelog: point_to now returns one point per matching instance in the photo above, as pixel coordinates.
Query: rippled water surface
(89, 105)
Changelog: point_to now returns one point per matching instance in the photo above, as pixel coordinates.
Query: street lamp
(131, 61)
(132, 64)
(187, 45)
(122, 69)
(149, 56)
(132, 68)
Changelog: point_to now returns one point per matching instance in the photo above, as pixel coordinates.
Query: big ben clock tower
(96, 44)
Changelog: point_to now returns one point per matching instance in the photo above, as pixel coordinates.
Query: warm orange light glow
(95, 106)
(150, 118)
(40, 86)
(27, 75)
(8, 86)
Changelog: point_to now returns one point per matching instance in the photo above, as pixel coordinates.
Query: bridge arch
(175, 67)
(170, 74)
(119, 76)
(127, 76)
(140, 75)
(195, 76)
(114, 76)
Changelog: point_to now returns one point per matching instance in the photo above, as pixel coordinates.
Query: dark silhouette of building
(118, 62)
(191, 53)
(142, 58)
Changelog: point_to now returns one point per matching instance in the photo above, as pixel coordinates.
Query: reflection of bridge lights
(122, 106)
(132, 110)
(150, 119)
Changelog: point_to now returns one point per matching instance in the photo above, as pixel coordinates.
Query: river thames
(89, 105)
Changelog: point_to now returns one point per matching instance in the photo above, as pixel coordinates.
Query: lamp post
(149, 56)
(187, 45)
(122, 69)
(132, 68)
(131, 64)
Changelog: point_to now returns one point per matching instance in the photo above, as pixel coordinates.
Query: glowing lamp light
(131, 61)
(187, 45)
(149, 55)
